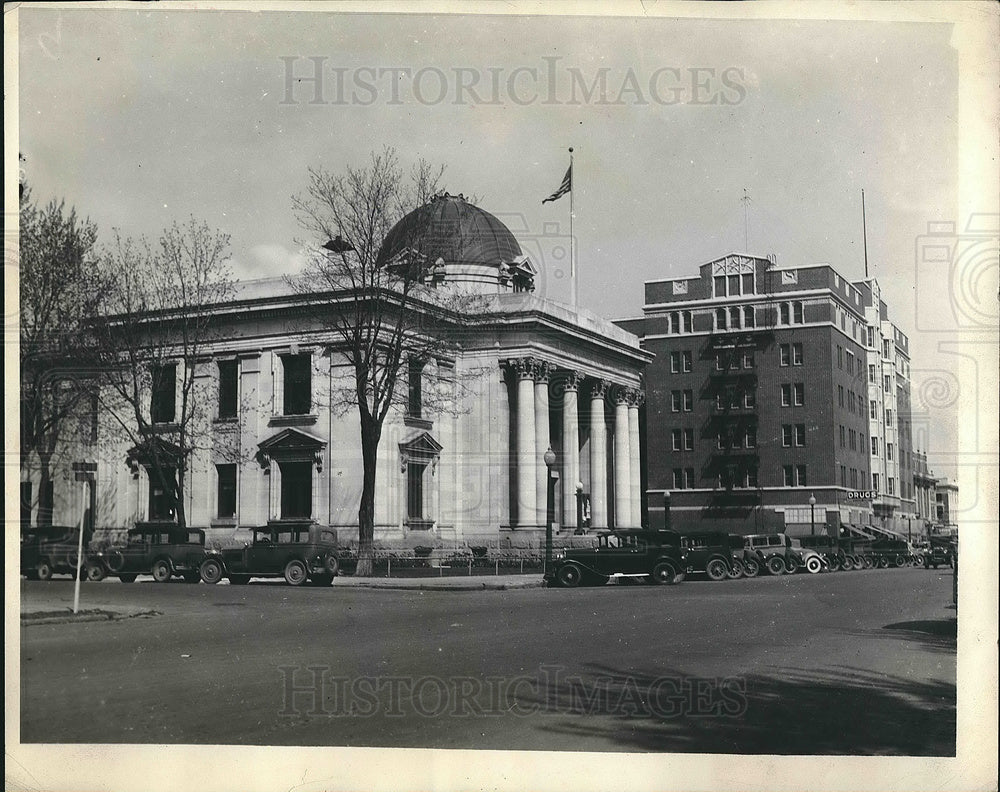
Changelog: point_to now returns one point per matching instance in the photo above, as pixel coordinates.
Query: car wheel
(735, 570)
(919, 561)
(883, 563)
(813, 565)
(239, 580)
(129, 578)
(332, 564)
(750, 568)
(569, 576)
(716, 569)
(210, 571)
(665, 574)
(44, 570)
(295, 573)
(900, 560)
(859, 562)
(95, 572)
(161, 571)
(776, 565)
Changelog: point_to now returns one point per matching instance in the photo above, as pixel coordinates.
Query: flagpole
(572, 243)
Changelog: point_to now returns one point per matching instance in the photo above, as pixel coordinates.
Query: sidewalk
(455, 583)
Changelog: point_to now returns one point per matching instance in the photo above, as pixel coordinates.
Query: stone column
(525, 453)
(541, 377)
(623, 478)
(635, 488)
(598, 457)
(570, 447)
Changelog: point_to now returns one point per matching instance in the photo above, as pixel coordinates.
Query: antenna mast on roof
(746, 220)
(864, 231)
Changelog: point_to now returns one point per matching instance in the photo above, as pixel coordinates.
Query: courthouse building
(537, 375)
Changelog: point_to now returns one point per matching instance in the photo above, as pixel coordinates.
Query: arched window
(687, 321)
(748, 316)
(720, 319)
(734, 317)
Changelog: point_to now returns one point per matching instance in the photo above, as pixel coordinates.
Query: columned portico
(570, 446)
(623, 479)
(635, 486)
(598, 456)
(526, 453)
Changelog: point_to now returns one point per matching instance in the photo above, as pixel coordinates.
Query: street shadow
(794, 712)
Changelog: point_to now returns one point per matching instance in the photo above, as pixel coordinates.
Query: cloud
(268, 261)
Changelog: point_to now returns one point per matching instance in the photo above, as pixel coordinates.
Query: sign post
(82, 472)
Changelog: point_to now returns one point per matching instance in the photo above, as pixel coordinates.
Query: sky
(142, 117)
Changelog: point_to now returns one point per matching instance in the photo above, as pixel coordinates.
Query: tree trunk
(371, 432)
(45, 504)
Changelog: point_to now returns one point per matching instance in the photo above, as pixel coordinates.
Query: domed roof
(452, 229)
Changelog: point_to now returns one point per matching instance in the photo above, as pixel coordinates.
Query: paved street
(860, 662)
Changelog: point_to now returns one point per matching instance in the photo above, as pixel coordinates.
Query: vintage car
(710, 552)
(779, 554)
(939, 552)
(52, 549)
(162, 550)
(298, 551)
(834, 553)
(890, 553)
(655, 556)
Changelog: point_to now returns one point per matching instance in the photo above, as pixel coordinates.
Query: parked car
(835, 557)
(710, 552)
(779, 554)
(161, 550)
(652, 555)
(52, 549)
(797, 556)
(299, 552)
(890, 553)
(744, 560)
(937, 553)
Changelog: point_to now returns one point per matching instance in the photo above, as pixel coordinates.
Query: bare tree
(156, 323)
(385, 313)
(60, 287)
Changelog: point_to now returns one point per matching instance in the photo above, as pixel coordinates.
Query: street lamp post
(667, 521)
(550, 506)
(812, 514)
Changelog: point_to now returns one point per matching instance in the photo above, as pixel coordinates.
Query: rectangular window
(733, 283)
(871, 336)
(415, 388)
(686, 316)
(891, 485)
(784, 313)
(678, 482)
(749, 316)
(888, 417)
(796, 354)
(852, 439)
(686, 361)
(850, 362)
(799, 394)
(840, 356)
(162, 492)
(688, 478)
(228, 388)
(874, 446)
(751, 439)
(785, 354)
(800, 476)
(861, 442)
(875, 481)
(786, 435)
(887, 383)
(789, 475)
(854, 478)
(719, 284)
(748, 361)
(162, 407)
(688, 403)
(840, 395)
(298, 383)
(798, 316)
(888, 451)
(721, 320)
(874, 409)
(296, 490)
(689, 439)
(751, 478)
(843, 436)
(871, 373)
(675, 401)
(843, 476)
(747, 284)
(676, 439)
(800, 434)
(750, 400)
(226, 492)
(786, 395)
(415, 491)
(675, 362)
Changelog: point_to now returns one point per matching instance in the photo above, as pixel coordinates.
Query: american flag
(565, 187)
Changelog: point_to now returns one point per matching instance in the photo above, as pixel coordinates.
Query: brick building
(761, 398)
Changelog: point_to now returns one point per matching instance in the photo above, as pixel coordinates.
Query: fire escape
(734, 354)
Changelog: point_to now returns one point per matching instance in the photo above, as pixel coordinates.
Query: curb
(49, 617)
(431, 587)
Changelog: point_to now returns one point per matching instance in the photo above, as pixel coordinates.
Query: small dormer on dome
(453, 242)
